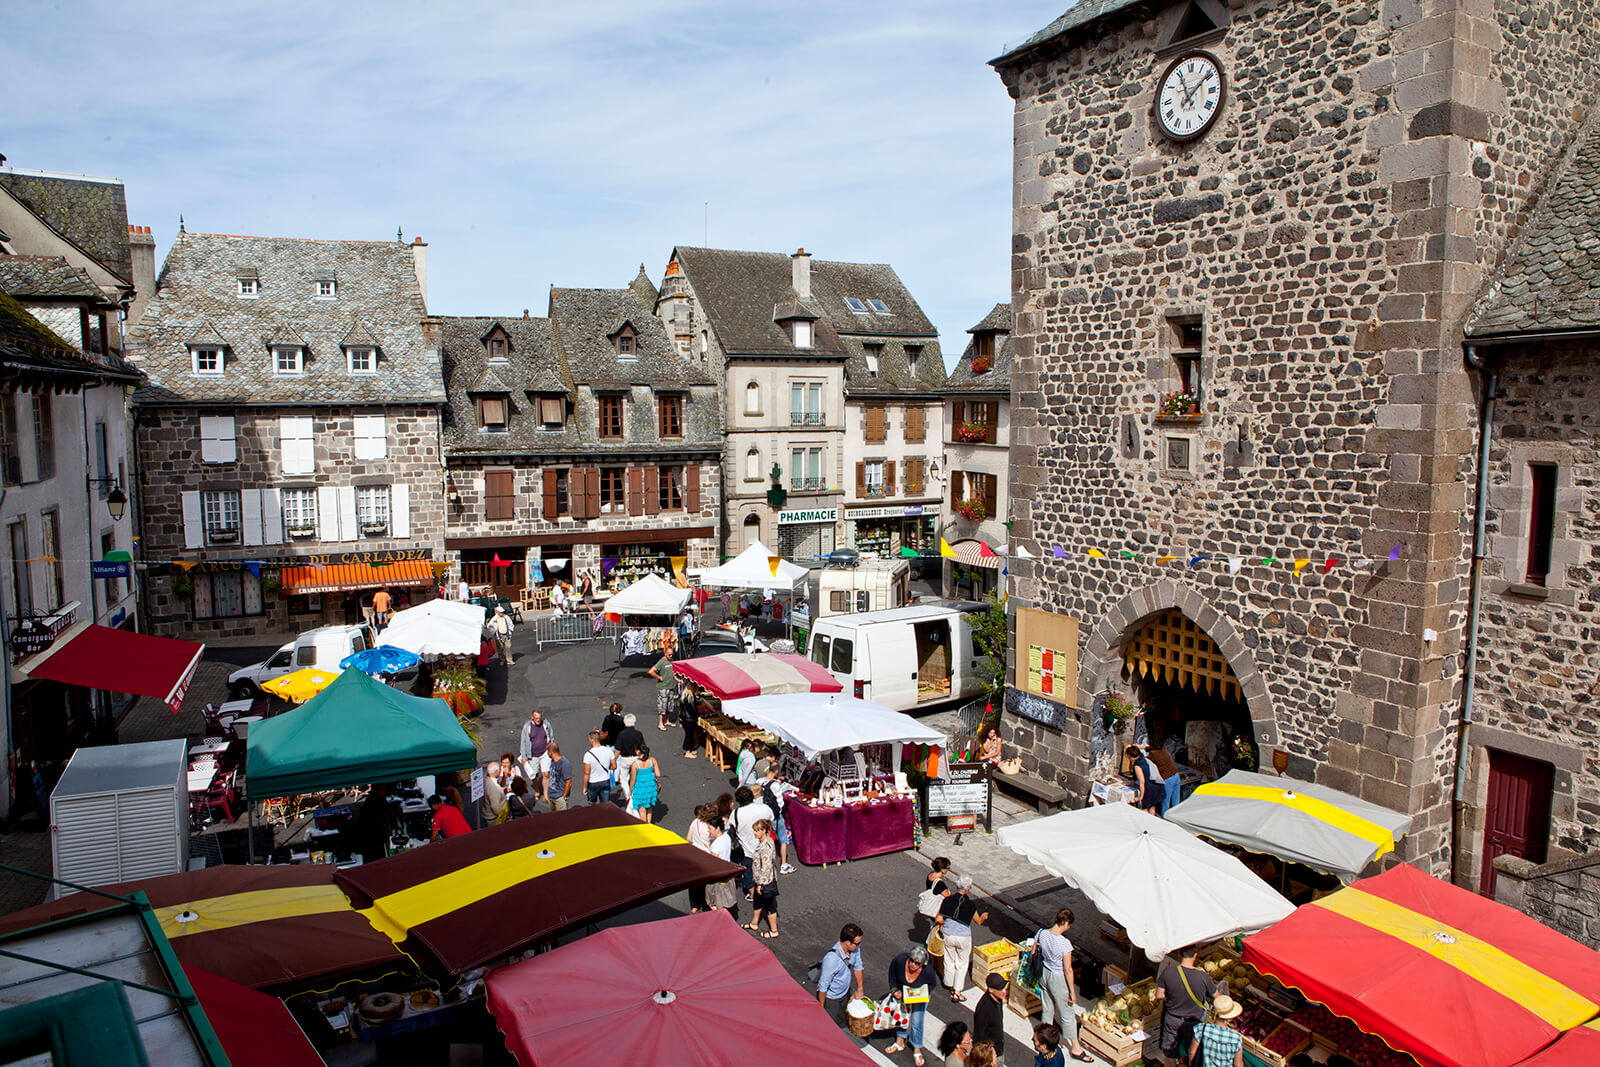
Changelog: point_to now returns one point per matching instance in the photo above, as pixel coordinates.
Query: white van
(323, 647)
(904, 658)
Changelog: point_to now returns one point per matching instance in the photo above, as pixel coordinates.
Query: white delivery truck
(323, 647)
(903, 658)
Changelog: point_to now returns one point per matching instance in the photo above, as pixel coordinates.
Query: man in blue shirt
(833, 984)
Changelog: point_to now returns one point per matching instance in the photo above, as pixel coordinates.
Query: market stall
(757, 567)
(739, 675)
(382, 659)
(650, 595)
(1434, 971)
(1301, 822)
(690, 988)
(438, 628)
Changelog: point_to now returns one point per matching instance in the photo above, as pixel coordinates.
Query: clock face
(1189, 98)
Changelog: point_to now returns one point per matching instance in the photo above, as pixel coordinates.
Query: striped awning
(337, 577)
(968, 552)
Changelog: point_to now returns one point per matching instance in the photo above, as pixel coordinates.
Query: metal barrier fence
(571, 629)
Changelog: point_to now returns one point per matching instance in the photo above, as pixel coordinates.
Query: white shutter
(371, 437)
(147, 834)
(250, 515)
(194, 529)
(348, 530)
(298, 447)
(217, 444)
(400, 510)
(84, 839)
(272, 516)
(327, 513)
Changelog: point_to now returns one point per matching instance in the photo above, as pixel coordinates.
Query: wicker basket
(861, 1025)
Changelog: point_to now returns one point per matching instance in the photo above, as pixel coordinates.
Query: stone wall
(1564, 895)
(1328, 233)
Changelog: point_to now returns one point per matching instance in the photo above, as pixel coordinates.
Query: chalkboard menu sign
(964, 792)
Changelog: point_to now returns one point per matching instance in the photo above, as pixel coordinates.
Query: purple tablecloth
(880, 826)
(821, 835)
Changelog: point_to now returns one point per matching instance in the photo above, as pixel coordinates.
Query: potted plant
(1118, 710)
(270, 583)
(183, 585)
(982, 364)
(972, 432)
(461, 688)
(224, 536)
(373, 529)
(1180, 405)
(301, 532)
(972, 509)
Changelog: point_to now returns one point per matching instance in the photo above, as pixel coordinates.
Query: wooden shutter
(551, 503)
(691, 489)
(349, 530)
(916, 423)
(989, 494)
(635, 490)
(328, 513)
(652, 490)
(591, 492)
(888, 478)
(956, 487)
(877, 423)
(861, 481)
(498, 493)
(272, 516)
(914, 476)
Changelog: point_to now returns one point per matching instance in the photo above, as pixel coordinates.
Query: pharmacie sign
(788, 518)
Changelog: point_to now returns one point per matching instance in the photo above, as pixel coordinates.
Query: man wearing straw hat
(1216, 1043)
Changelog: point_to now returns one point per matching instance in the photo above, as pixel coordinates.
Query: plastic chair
(218, 797)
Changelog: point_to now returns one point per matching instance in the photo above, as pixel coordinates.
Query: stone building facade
(1240, 345)
(977, 458)
(288, 438)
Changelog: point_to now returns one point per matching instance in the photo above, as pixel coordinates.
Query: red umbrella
(1575, 1046)
(694, 988)
(1438, 972)
(255, 1029)
(735, 675)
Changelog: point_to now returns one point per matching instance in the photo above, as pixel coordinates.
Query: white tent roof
(820, 722)
(1164, 885)
(650, 595)
(437, 628)
(752, 569)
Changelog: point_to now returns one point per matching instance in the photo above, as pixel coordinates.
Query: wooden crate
(1023, 1000)
(1117, 1049)
(1113, 934)
(1275, 1059)
(1114, 975)
(1004, 958)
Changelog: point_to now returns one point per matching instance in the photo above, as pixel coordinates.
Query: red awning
(338, 577)
(121, 661)
(734, 675)
(256, 1030)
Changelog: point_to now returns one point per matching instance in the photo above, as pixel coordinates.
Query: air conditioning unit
(121, 813)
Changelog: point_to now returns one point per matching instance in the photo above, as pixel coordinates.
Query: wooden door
(1517, 820)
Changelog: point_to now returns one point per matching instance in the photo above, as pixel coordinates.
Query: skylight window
(879, 307)
(855, 305)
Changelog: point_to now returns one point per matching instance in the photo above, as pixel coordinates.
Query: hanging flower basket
(1118, 709)
(301, 532)
(972, 432)
(982, 364)
(1177, 405)
(971, 510)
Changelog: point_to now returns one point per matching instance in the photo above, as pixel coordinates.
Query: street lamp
(116, 500)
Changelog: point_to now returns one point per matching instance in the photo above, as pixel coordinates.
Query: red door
(1518, 816)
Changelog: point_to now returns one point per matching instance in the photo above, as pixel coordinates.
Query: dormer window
(249, 288)
(873, 353)
(552, 412)
(361, 359)
(913, 355)
(627, 343)
(288, 360)
(327, 288)
(492, 414)
(800, 333)
(497, 348)
(207, 360)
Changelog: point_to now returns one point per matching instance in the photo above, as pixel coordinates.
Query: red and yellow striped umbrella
(1436, 971)
(470, 899)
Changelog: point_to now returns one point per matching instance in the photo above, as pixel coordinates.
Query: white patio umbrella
(821, 722)
(1303, 822)
(1164, 885)
(437, 628)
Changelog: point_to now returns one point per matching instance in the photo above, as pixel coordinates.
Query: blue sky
(544, 143)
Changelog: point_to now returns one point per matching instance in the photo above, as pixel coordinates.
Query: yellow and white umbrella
(301, 685)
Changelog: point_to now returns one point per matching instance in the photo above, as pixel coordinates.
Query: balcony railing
(802, 485)
(805, 418)
(875, 491)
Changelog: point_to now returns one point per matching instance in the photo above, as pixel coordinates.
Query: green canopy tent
(354, 732)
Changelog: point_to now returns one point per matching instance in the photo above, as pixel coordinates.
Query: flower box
(223, 537)
(981, 364)
(300, 533)
(1180, 405)
(972, 433)
(971, 510)
(373, 529)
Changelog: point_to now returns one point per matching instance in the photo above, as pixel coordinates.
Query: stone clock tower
(1247, 237)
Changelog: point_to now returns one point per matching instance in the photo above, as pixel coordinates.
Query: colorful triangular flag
(1125, 554)
(1002, 550)
(1300, 565)
(254, 567)
(1197, 559)
(1095, 553)
(946, 551)
(1328, 566)
(1234, 563)
(772, 564)
(1058, 552)
(1394, 553)
(984, 551)
(1023, 553)
(1165, 559)
(907, 552)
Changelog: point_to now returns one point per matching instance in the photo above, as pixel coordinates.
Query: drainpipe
(1491, 382)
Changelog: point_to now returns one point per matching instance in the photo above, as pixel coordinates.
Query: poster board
(1047, 655)
(964, 792)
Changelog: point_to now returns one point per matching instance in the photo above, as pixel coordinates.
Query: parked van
(851, 587)
(904, 658)
(323, 647)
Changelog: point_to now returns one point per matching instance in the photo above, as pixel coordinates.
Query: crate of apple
(1285, 1041)
(1256, 1022)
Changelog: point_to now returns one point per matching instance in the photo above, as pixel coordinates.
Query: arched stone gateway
(1106, 653)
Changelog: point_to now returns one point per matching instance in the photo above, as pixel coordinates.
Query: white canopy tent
(752, 569)
(437, 628)
(820, 722)
(650, 595)
(1164, 885)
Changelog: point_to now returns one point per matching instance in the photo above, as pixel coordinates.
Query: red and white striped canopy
(735, 675)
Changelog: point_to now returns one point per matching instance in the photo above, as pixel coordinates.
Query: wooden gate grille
(1171, 648)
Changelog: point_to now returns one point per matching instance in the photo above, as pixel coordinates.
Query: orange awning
(336, 577)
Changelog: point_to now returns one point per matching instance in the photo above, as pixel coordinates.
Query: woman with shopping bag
(911, 981)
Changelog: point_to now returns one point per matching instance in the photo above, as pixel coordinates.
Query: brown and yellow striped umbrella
(470, 899)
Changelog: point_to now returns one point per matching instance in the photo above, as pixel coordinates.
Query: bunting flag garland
(1095, 553)
(1394, 553)
(184, 565)
(1234, 563)
(1328, 566)
(1166, 559)
(498, 562)
(1058, 552)
(1002, 550)
(1267, 561)
(946, 551)
(984, 551)
(1195, 561)
(1125, 554)
(254, 567)
(907, 552)
(1300, 565)
(772, 564)
(1023, 553)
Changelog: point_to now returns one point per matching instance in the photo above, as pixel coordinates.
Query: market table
(821, 834)
(723, 737)
(852, 832)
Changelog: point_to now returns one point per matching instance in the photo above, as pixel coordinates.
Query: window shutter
(888, 478)
(272, 516)
(327, 513)
(499, 492)
(990, 483)
(861, 480)
(250, 516)
(297, 446)
(916, 423)
(551, 504)
(876, 423)
(217, 439)
(400, 510)
(956, 487)
(194, 531)
(348, 530)
(552, 410)
(371, 437)
(691, 489)
(914, 476)
(652, 490)
(591, 492)
(635, 490)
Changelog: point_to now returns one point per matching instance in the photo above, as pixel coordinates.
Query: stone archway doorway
(1188, 693)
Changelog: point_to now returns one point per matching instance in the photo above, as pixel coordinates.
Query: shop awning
(122, 661)
(734, 675)
(338, 577)
(969, 553)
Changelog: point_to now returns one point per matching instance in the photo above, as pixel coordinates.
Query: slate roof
(740, 290)
(997, 379)
(585, 321)
(1080, 14)
(48, 276)
(1550, 278)
(31, 352)
(197, 301)
(92, 213)
(644, 288)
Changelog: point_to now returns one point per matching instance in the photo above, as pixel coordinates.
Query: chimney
(142, 250)
(524, 314)
(419, 255)
(800, 262)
